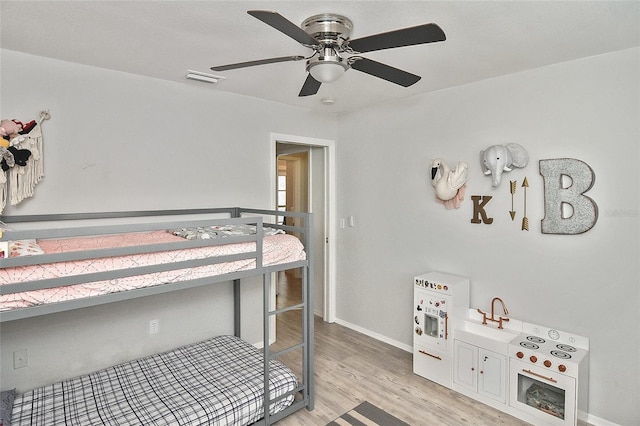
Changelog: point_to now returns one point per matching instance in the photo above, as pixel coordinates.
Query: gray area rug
(368, 415)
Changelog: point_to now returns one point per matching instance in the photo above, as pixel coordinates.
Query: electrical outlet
(20, 359)
(154, 326)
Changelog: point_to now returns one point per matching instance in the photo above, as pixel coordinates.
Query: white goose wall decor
(449, 184)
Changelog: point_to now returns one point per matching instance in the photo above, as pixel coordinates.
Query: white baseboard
(597, 421)
(375, 335)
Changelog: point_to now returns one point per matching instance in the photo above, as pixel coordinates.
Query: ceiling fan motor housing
(328, 28)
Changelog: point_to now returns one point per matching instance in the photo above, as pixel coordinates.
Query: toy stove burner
(560, 354)
(529, 345)
(535, 339)
(566, 348)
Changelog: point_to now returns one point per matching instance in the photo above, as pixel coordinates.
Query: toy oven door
(543, 394)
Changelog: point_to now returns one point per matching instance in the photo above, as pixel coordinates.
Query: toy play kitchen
(535, 373)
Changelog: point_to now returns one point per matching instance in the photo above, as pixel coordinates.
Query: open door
(307, 165)
(301, 189)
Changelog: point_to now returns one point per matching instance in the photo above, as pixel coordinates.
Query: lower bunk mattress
(215, 382)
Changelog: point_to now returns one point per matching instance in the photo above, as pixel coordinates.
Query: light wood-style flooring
(351, 367)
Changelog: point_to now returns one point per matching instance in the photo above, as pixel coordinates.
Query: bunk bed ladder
(306, 305)
(307, 314)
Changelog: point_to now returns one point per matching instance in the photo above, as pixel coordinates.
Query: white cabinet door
(466, 361)
(480, 370)
(492, 378)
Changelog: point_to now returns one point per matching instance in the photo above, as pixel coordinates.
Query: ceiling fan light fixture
(326, 69)
(326, 72)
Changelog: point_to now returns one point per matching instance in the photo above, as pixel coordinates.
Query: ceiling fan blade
(258, 62)
(385, 72)
(427, 33)
(310, 86)
(283, 25)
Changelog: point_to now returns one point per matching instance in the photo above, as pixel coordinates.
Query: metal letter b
(556, 197)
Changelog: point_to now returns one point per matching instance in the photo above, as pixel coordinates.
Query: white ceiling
(164, 39)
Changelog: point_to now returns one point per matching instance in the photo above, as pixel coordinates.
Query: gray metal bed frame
(232, 215)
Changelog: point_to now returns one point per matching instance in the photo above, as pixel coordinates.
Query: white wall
(587, 284)
(117, 141)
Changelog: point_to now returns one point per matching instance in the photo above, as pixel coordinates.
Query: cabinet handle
(428, 354)
(552, 380)
(446, 327)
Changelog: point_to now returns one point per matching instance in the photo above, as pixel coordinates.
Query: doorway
(304, 180)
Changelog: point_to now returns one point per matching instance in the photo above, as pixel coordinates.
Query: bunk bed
(223, 380)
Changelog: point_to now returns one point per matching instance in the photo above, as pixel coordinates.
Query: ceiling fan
(334, 53)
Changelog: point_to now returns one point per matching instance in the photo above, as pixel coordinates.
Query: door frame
(330, 213)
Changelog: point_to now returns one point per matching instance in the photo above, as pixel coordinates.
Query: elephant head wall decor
(502, 158)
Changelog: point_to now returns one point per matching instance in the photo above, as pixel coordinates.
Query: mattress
(215, 382)
(276, 249)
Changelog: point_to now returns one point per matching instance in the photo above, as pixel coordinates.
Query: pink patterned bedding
(277, 249)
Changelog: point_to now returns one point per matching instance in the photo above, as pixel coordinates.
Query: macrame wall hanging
(22, 164)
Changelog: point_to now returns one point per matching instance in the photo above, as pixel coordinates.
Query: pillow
(6, 406)
(17, 248)
(206, 232)
(24, 248)
(4, 245)
(196, 233)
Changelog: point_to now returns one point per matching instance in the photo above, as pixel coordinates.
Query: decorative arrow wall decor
(512, 189)
(525, 219)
